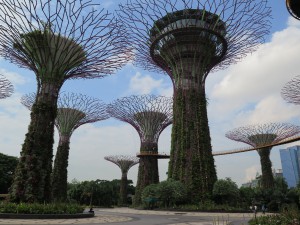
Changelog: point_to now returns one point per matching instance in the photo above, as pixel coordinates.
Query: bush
(35, 208)
(168, 193)
(289, 216)
(225, 191)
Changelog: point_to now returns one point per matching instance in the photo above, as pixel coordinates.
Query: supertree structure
(290, 92)
(293, 7)
(73, 111)
(125, 162)
(187, 39)
(149, 115)
(6, 88)
(264, 135)
(57, 40)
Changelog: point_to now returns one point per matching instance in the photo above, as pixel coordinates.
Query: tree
(8, 165)
(149, 115)
(225, 191)
(171, 192)
(187, 40)
(57, 40)
(262, 137)
(247, 195)
(125, 163)
(74, 110)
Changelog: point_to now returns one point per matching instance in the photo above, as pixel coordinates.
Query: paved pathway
(133, 216)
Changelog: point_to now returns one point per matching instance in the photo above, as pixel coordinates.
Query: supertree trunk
(36, 154)
(50, 38)
(191, 160)
(60, 170)
(149, 115)
(267, 179)
(262, 137)
(148, 170)
(124, 163)
(73, 111)
(123, 189)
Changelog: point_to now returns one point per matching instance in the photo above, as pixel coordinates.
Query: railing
(285, 141)
(152, 153)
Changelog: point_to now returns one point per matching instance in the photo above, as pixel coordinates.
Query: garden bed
(45, 216)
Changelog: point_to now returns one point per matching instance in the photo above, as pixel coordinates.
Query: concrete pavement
(125, 215)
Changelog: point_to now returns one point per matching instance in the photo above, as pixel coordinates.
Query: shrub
(289, 216)
(35, 208)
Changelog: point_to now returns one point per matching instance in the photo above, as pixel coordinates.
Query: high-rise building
(290, 161)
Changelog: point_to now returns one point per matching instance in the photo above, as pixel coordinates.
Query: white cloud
(145, 84)
(14, 78)
(251, 172)
(249, 91)
(269, 109)
(14, 120)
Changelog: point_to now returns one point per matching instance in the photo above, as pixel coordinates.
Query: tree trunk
(60, 170)
(267, 179)
(123, 189)
(148, 171)
(32, 177)
(191, 160)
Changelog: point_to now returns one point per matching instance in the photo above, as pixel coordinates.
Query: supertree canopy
(293, 6)
(149, 115)
(6, 88)
(57, 40)
(264, 135)
(73, 111)
(125, 162)
(187, 40)
(291, 92)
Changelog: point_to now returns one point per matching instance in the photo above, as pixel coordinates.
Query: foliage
(97, 193)
(289, 216)
(60, 172)
(147, 172)
(191, 159)
(168, 193)
(225, 191)
(171, 192)
(246, 196)
(35, 208)
(8, 165)
(32, 176)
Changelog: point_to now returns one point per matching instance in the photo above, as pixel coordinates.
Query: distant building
(256, 182)
(290, 161)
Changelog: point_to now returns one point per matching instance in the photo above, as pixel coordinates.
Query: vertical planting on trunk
(125, 162)
(149, 115)
(57, 40)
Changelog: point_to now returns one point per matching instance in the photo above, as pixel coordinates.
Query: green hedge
(35, 208)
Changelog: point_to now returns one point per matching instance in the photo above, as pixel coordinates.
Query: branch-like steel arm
(66, 30)
(263, 134)
(148, 114)
(74, 110)
(291, 91)
(246, 23)
(6, 88)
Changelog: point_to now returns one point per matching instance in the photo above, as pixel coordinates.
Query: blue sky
(245, 93)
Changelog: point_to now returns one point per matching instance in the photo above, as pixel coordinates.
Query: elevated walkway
(285, 141)
(159, 155)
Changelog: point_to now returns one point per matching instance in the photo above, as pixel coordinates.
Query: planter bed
(45, 216)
